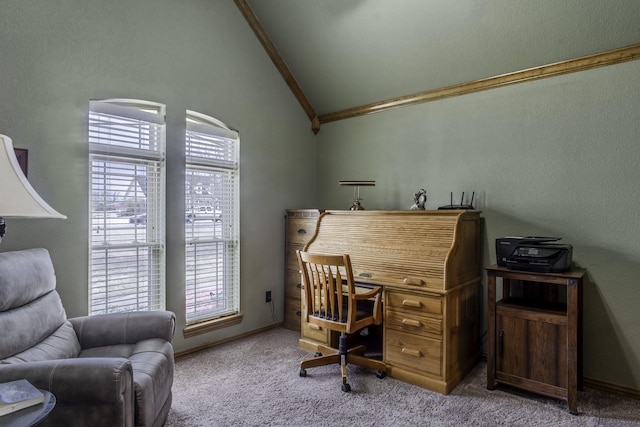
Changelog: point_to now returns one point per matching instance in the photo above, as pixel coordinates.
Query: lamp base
(356, 206)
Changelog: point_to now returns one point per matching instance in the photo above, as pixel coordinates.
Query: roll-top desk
(428, 263)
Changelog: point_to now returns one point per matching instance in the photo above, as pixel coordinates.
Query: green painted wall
(191, 54)
(555, 157)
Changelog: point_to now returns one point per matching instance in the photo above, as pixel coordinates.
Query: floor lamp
(18, 199)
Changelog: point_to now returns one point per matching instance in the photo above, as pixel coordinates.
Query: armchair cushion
(30, 308)
(61, 344)
(26, 276)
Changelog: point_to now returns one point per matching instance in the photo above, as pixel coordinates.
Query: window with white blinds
(126, 206)
(211, 219)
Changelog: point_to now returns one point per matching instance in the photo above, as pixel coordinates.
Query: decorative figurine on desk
(419, 199)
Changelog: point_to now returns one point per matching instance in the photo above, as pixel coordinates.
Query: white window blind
(212, 219)
(127, 206)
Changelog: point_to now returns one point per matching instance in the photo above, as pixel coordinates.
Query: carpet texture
(254, 381)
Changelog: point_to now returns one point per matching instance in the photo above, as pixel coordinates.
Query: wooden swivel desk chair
(331, 301)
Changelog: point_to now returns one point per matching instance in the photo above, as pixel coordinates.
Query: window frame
(212, 151)
(131, 276)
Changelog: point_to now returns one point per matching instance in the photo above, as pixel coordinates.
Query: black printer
(537, 254)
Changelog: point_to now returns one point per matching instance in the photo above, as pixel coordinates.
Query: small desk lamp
(18, 199)
(356, 192)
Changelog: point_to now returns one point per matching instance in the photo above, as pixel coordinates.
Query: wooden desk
(535, 332)
(428, 264)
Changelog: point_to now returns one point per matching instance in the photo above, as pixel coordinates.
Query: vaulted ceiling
(344, 54)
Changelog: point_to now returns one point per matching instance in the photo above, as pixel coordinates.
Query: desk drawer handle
(411, 322)
(315, 327)
(415, 282)
(411, 303)
(411, 352)
(302, 231)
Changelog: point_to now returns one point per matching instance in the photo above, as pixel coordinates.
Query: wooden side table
(535, 332)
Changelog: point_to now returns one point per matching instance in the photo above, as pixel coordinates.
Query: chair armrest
(123, 328)
(366, 293)
(96, 380)
(376, 295)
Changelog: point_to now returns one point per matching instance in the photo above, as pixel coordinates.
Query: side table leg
(572, 347)
(491, 330)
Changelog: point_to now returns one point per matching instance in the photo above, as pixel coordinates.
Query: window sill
(211, 325)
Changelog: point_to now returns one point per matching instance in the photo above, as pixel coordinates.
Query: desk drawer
(293, 284)
(292, 314)
(414, 324)
(292, 259)
(315, 333)
(415, 352)
(415, 303)
(300, 230)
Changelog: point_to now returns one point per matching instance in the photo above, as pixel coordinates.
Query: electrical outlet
(267, 297)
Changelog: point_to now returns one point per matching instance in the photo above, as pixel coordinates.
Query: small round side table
(32, 415)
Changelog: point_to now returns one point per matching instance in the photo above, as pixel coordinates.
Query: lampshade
(18, 199)
(357, 183)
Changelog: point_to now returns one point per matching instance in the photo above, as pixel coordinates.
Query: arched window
(126, 206)
(212, 229)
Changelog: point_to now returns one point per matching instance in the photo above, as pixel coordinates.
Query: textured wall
(555, 157)
(198, 55)
(350, 53)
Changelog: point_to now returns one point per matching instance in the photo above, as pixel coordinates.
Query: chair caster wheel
(346, 388)
(381, 374)
(303, 372)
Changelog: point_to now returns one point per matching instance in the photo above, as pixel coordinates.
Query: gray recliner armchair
(106, 370)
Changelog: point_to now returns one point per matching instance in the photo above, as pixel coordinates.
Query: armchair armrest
(93, 380)
(123, 328)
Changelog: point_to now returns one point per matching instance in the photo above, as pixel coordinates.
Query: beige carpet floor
(254, 381)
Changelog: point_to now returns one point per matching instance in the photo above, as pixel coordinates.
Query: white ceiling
(348, 53)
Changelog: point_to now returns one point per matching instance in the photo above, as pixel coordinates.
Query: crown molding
(611, 57)
(277, 60)
(603, 59)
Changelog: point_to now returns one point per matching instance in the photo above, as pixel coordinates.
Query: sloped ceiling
(348, 53)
